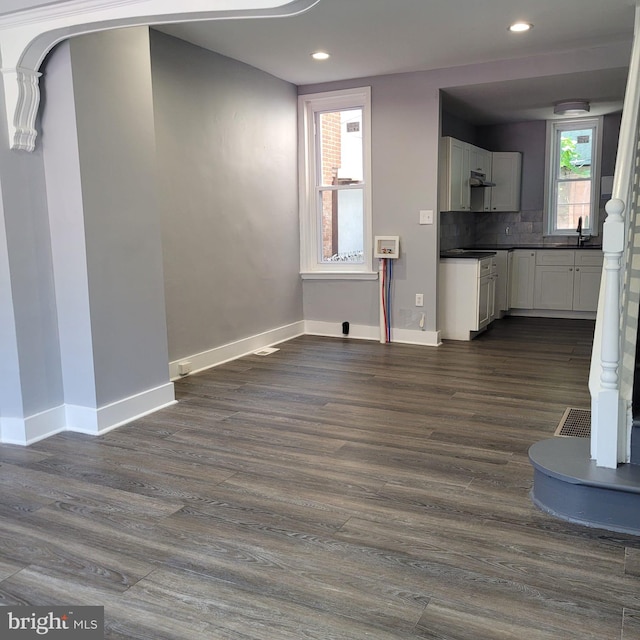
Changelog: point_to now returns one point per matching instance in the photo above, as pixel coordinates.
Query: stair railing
(609, 410)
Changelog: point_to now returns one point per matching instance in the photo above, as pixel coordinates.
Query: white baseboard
(368, 332)
(26, 431)
(237, 349)
(414, 336)
(334, 330)
(97, 421)
(103, 419)
(553, 313)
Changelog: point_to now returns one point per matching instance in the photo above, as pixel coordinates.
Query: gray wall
(405, 133)
(405, 137)
(227, 159)
(30, 358)
(101, 180)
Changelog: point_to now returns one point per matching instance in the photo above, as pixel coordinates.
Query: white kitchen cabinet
(522, 279)
(506, 173)
(466, 296)
(554, 279)
(553, 287)
(454, 170)
(502, 282)
(568, 280)
(587, 278)
(458, 159)
(561, 280)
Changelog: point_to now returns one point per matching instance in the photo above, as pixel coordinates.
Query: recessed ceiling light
(320, 55)
(520, 27)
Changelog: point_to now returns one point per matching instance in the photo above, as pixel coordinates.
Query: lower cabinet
(467, 295)
(556, 280)
(586, 282)
(522, 279)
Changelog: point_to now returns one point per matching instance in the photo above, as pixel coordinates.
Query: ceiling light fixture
(320, 55)
(571, 107)
(520, 27)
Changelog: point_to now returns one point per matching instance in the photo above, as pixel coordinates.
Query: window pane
(575, 153)
(342, 225)
(341, 159)
(573, 201)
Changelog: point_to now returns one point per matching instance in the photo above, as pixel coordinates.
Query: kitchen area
(496, 257)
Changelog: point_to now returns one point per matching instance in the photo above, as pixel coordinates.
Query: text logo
(52, 623)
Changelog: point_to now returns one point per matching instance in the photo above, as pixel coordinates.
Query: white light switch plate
(426, 216)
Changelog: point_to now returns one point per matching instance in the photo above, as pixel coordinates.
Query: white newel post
(608, 435)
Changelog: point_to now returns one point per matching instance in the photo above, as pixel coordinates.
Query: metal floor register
(575, 422)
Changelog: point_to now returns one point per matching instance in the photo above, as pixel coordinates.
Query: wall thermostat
(387, 247)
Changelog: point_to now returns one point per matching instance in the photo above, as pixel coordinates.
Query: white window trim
(549, 177)
(308, 105)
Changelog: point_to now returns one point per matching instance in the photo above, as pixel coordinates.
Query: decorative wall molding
(27, 36)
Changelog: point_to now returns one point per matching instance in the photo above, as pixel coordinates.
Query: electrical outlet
(419, 300)
(184, 368)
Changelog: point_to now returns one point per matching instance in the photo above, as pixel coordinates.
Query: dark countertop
(466, 253)
(511, 247)
(482, 251)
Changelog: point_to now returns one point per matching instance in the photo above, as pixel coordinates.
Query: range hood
(478, 179)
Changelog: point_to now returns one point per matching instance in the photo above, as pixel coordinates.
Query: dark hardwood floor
(337, 489)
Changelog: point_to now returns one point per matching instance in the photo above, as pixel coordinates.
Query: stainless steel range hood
(478, 179)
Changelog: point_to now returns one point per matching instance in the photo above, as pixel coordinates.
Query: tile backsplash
(464, 229)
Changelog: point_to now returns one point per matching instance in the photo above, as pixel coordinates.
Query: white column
(608, 429)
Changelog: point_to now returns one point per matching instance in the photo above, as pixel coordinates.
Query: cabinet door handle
(578, 269)
(570, 270)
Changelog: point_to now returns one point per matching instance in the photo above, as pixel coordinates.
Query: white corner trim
(26, 431)
(27, 36)
(237, 349)
(98, 421)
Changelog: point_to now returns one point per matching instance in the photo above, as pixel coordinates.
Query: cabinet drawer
(485, 266)
(589, 258)
(558, 257)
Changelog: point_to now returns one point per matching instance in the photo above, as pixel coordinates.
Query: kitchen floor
(336, 489)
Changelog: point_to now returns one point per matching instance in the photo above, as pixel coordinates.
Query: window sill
(339, 275)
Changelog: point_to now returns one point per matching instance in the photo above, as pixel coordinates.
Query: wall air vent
(265, 351)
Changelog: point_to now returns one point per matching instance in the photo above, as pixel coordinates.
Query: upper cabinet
(455, 170)
(458, 159)
(507, 176)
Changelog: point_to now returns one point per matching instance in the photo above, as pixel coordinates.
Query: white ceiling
(374, 37)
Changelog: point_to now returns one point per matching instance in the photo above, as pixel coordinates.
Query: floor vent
(575, 422)
(265, 351)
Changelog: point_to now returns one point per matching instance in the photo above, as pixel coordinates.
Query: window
(573, 153)
(335, 201)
